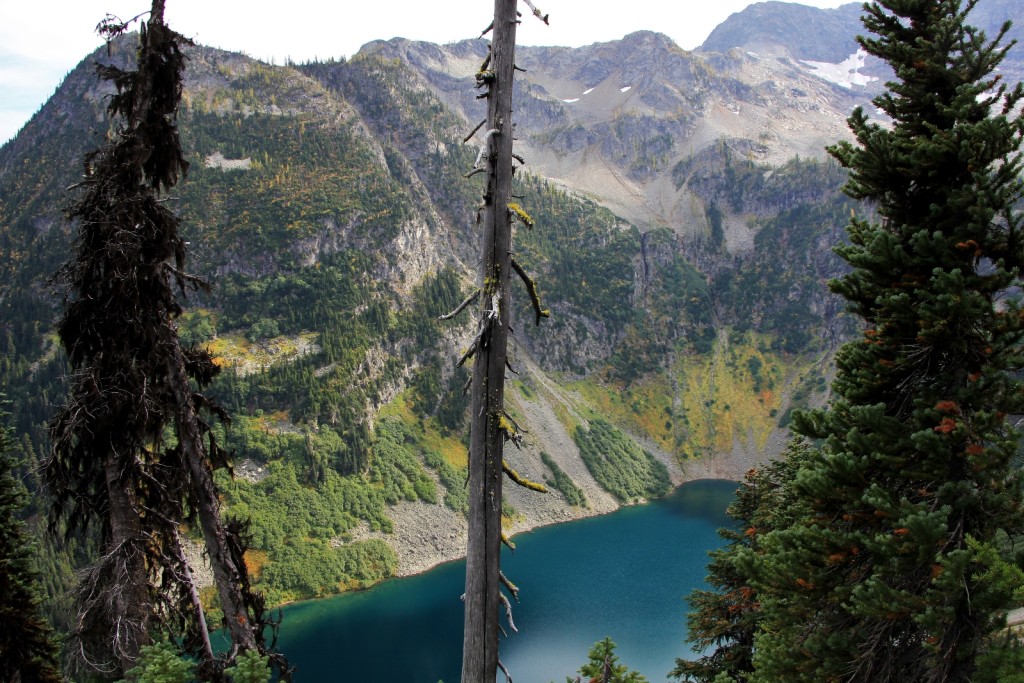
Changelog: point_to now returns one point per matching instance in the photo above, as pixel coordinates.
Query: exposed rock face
(611, 120)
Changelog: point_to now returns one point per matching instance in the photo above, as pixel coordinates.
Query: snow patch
(575, 99)
(217, 160)
(846, 73)
(588, 91)
(625, 89)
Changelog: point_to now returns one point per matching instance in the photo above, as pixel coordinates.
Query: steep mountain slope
(611, 120)
(680, 243)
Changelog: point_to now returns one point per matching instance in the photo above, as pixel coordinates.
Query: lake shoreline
(575, 592)
(428, 535)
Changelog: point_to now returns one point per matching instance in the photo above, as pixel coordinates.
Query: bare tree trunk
(197, 603)
(130, 605)
(483, 606)
(226, 575)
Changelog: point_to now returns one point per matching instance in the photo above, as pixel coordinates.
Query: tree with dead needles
(133, 453)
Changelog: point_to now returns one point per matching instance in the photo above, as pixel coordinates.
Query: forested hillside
(327, 205)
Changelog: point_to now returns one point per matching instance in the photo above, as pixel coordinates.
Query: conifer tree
(727, 615)
(27, 648)
(889, 576)
(603, 666)
(133, 452)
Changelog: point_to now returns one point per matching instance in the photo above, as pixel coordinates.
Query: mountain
(790, 29)
(824, 40)
(685, 214)
(612, 120)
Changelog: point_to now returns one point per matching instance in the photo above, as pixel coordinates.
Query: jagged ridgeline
(327, 205)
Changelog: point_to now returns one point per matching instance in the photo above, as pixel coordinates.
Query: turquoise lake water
(623, 575)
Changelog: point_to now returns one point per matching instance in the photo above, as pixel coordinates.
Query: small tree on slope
(27, 648)
(912, 488)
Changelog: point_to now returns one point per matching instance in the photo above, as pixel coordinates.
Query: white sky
(42, 41)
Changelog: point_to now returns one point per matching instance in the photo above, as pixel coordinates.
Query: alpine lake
(623, 575)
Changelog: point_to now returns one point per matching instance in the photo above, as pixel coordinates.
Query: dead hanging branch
(486, 324)
(508, 611)
(461, 307)
(507, 542)
(484, 153)
(508, 676)
(478, 342)
(473, 132)
(531, 288)
(508, 427)
(512, 588)
(518, 212)
(521, 480)
(536, 12)
(485, 147)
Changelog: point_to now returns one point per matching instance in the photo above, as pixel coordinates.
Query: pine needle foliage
(912, 486)
(888, 557)
(723, 619)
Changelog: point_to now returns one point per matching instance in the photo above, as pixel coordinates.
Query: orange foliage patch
(947, 425)
(255, 560)
(948, 407)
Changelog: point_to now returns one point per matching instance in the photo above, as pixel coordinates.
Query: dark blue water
(623, 575)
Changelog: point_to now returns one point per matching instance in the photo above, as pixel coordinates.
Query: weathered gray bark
(480, 638)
